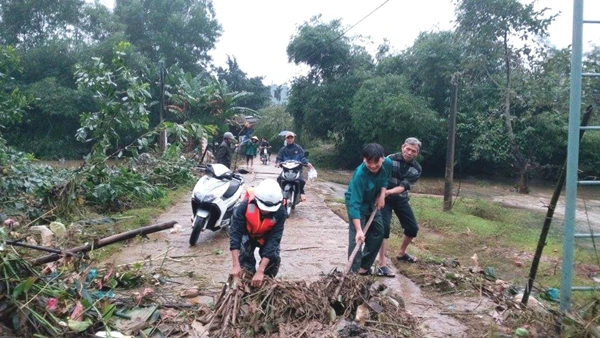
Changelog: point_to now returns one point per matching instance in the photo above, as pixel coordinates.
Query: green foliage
(121, 187)
(122, 97)
(30, 22)
(24, 186)
(385, 112)
(12, 101)
(321, 46)
(258, 94)
(203, 99)
(274, 119)
(176, 31)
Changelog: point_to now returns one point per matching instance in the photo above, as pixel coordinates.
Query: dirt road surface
(314, 242)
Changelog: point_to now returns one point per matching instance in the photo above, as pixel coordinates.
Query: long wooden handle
(359, 244)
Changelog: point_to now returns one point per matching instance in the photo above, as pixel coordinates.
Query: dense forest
(81, 81)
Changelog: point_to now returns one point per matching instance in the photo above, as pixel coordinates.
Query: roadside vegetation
(138, 101)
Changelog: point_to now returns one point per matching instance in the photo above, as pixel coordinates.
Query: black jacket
(224, 154)
(272, 240)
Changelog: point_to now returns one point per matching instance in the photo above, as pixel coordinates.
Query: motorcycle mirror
(306, 154)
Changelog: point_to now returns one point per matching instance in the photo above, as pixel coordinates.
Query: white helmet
(268, 195)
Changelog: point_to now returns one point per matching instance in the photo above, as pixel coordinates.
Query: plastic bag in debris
(312, 174)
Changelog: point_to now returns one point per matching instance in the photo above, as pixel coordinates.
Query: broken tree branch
(106, 241)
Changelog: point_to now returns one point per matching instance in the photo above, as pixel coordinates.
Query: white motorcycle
(214, 197)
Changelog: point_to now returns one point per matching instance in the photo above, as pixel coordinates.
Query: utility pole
(450, 147)
(162, 142)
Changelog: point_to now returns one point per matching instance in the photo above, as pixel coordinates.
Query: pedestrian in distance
(225, 151)
(366, 193)
(251, 151)
(258, 223)
(405, 173)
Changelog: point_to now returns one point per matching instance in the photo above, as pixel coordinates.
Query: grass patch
(140, 217)
(503, 238)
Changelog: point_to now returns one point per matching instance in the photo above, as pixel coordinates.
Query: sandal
(407, 258)
(366, 273)
(384, 271)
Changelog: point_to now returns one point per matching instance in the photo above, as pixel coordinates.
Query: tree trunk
(520, 162)
(449, 177)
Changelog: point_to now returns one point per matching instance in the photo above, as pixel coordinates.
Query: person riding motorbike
(264, 144)
(293, 151)
(258, 221)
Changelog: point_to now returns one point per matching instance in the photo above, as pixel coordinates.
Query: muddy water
(314, 242)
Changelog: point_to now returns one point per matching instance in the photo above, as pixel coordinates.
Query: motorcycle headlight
(290, 175)
(211, 195)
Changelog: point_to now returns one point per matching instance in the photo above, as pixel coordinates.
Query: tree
(320, 102)
(321, 46)
(176, 31)
(122, 99)
(493, 25)
(12, 100)
(28, 23)
(384, 111)
(273, 120)
(237, 81)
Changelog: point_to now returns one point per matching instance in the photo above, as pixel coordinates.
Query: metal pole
(572, 157)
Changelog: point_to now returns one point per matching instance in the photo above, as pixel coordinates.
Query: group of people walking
(379, 185)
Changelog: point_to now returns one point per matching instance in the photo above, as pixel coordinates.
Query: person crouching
(258, 222)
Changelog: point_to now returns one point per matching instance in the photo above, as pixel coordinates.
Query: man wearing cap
(293, 151)
(258, 223)
(224, 152)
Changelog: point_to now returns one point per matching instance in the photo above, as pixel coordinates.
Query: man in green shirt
(366, 192)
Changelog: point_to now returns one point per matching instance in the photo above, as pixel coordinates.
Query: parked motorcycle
(290, 183)
(214, 197)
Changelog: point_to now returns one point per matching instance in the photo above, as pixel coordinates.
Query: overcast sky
(257, 32)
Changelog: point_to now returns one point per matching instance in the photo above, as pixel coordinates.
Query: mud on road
(314, 242)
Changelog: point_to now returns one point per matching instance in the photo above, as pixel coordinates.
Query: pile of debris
(318, 308)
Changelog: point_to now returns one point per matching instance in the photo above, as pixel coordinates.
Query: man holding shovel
(366, 194)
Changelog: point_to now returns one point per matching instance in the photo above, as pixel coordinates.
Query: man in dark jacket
(405, 173)
(258, 222)
(293, 151)
(224, 152)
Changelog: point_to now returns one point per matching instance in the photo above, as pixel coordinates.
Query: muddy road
(314, 242)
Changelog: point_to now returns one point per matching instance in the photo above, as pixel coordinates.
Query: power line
(346, 31)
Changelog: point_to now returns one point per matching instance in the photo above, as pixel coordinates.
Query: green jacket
(251, 148)
(364, 188)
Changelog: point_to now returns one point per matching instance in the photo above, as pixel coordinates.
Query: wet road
(314, 242)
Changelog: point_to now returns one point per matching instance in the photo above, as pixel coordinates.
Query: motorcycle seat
(233, 187)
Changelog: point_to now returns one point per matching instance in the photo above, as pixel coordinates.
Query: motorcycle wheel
(289, 206)
(196, 230)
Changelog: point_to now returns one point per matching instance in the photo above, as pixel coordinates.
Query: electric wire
(346, 31)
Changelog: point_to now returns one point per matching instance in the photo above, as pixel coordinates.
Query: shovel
(334, 299)
(359, 244)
